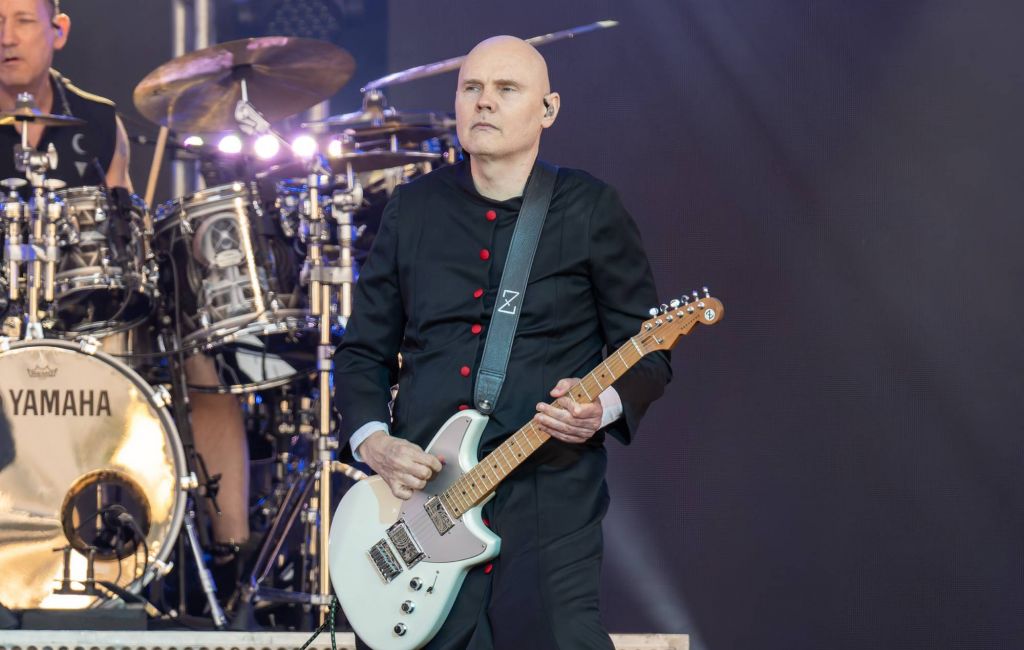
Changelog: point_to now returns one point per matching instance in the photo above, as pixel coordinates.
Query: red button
(491, 215)
(476, 329)
(478, 293)
(489, 567)
(485, 254)
(464, 371)
(463, 407)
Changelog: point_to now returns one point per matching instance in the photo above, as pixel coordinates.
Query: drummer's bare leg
(219, 435)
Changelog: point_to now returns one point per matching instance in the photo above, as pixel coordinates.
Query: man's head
(504, 99)
(30, 32)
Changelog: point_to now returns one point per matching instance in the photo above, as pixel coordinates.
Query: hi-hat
(36, 116)
(283, 75)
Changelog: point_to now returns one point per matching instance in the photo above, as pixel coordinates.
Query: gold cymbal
(283, 76)
(36, 116)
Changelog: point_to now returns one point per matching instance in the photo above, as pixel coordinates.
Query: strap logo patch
(509, 297)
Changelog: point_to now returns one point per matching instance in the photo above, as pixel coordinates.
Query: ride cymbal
(283, 75)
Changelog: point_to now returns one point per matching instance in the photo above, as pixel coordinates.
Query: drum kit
(101, 476)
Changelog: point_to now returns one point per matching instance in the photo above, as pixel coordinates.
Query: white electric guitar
(397, 565)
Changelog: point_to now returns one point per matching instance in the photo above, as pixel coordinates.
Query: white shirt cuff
(612, 405)
(362, 433)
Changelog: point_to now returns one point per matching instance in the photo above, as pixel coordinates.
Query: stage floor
(113, 640)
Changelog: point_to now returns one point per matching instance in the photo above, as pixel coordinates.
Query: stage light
(230, 143)
(266, 146)
(304, 146)
(334, 149)
(193, 141)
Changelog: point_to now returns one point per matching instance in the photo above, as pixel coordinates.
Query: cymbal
(362, 126)
(431, 69)
(283, 76)
(361, 161)
(36, 116)
(365, 161)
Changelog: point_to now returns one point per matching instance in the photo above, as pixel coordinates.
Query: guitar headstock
(677, 318)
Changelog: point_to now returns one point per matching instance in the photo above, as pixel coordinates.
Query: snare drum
(88, 440)
(103, 281)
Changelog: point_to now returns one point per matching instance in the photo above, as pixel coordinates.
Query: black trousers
(542, 590)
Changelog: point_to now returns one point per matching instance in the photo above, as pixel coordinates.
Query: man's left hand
(565, 419)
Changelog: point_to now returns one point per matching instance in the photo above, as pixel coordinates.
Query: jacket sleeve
(624, 290)
(366, 362)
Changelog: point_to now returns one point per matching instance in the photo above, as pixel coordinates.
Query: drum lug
(189, 482)
(161, 397)
(88, 344)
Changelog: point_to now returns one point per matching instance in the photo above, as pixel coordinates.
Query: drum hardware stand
(313, 486)
(88, 584)
(189, 483)
(41, 251)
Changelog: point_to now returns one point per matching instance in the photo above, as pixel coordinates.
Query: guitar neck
(477, 484)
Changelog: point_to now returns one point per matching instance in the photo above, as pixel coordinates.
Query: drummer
(97, 154)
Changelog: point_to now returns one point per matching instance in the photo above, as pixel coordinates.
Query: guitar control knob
(399, 629)
(415, 584)
(408, 607)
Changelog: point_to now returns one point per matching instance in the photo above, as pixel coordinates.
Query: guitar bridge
(407, 547)
(438, 515)
(384, 561)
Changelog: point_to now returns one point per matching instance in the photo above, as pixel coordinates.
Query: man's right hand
(403, 465)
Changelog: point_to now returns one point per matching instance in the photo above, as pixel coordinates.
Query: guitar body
(395, 574)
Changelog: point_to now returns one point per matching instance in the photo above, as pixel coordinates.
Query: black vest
(82, 151)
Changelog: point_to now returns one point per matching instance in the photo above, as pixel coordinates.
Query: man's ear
(61, 26)
(552, 102)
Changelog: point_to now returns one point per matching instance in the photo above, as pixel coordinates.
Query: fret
(636, 345)
(585, 391)
(625, 364)
(503, 451)
(496, 469)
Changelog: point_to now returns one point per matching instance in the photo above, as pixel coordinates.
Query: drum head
(91, 461)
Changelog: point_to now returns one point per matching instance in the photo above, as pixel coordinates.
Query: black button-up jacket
(429, 286)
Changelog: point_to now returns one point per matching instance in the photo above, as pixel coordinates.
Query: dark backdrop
(836, 464)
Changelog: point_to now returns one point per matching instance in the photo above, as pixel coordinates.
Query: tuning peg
(707, 294)
(653, 311)
(685, 299)
(674, 304)
(664, 309)
(696, 296)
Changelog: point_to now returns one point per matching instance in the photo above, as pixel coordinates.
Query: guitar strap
(505, 318)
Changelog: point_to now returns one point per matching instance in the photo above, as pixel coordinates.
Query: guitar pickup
(407, 547)
(438, 515)
(384, 561)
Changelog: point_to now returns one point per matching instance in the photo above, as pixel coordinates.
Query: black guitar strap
(505, 319)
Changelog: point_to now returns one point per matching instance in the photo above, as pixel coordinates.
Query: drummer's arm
(117, 174)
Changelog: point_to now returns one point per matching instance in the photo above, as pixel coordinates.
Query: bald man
(428, 290)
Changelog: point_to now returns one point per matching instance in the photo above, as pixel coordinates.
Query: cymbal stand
(314, 486)
(41, 252)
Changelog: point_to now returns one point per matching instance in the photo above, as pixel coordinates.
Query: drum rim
(173, 439)
(169, 212)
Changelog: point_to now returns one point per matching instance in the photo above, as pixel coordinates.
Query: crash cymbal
(362, 126)
(36, 116)
(365, 161)
(431, 69)
(361, 161)
(283, 76)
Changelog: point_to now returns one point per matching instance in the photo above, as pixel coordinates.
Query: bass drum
(89, 460)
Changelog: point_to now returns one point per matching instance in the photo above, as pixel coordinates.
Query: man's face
(28, 39)
(499, 103)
